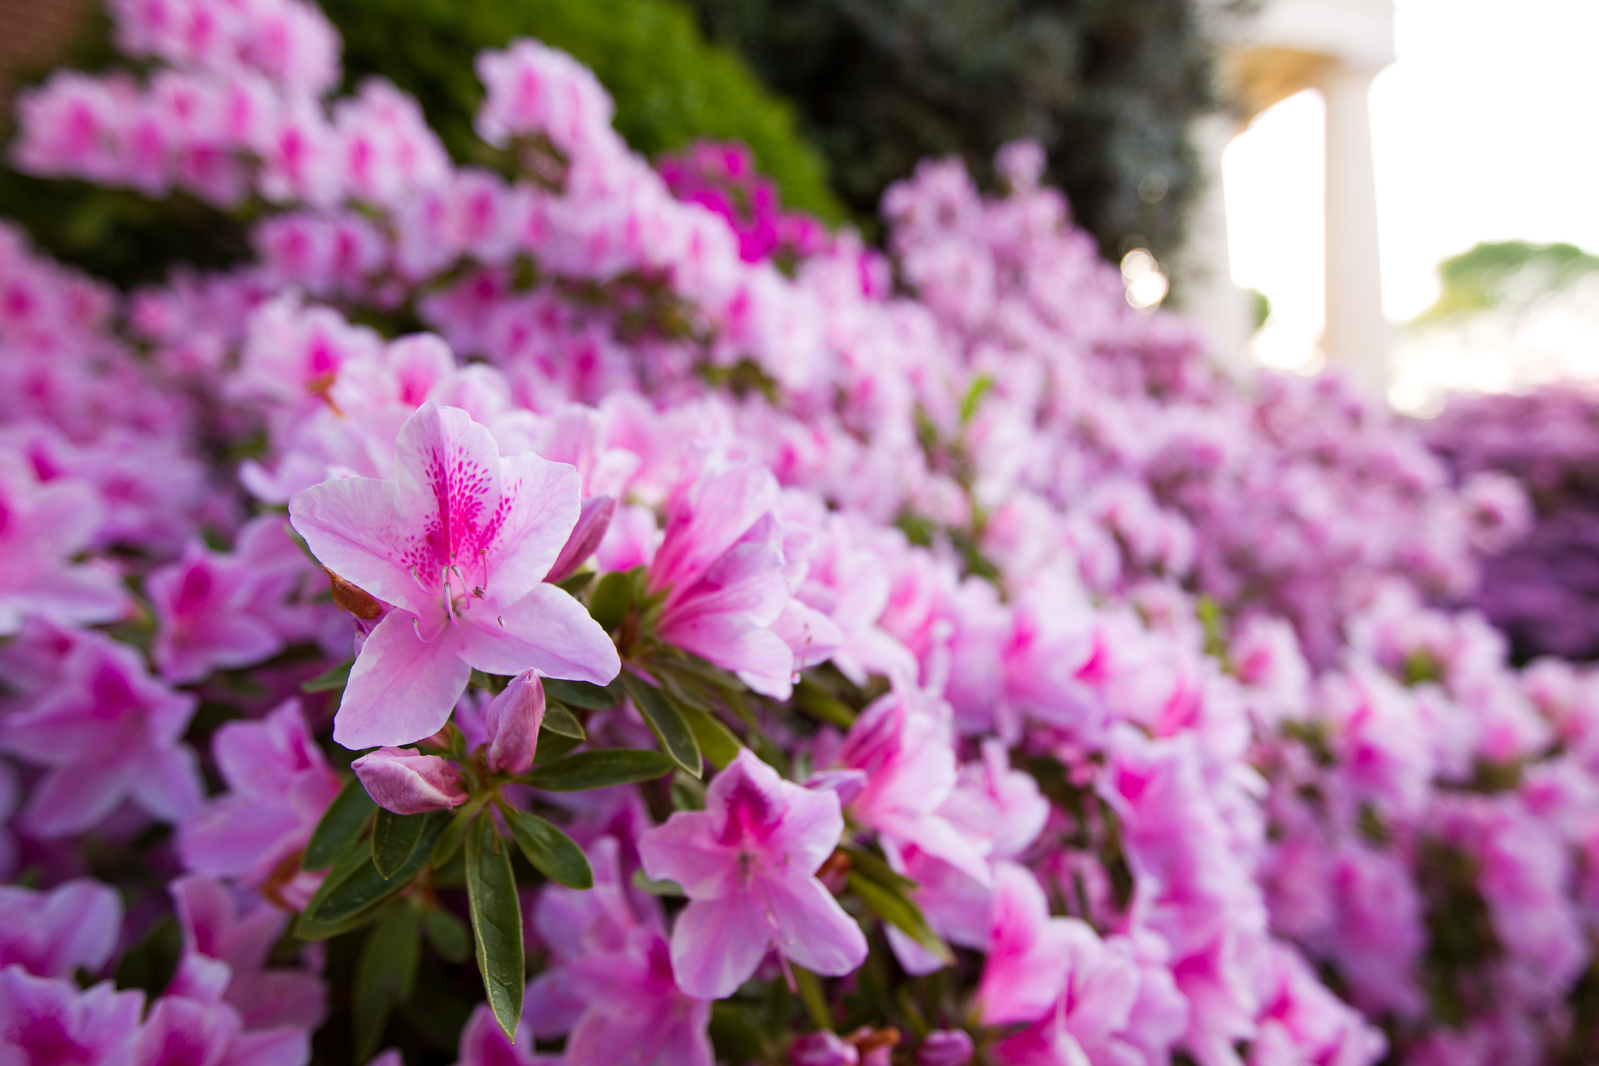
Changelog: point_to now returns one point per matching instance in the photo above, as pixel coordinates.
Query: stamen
(500, 620)
(449, 607)
(416, 624)
(484, 552)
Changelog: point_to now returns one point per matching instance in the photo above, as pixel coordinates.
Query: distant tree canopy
(1108, 86)
(1506, 274)
(670, 87)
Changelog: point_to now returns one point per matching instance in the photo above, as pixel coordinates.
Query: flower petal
(540, 501)
(402, 688)
(814, 931)
(546, 630)
(716, 945)
(352, 526)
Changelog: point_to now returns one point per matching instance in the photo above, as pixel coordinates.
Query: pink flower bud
(592, 522)
(823, 1049)
(945, 1047)
(513, 722)
(405, 781)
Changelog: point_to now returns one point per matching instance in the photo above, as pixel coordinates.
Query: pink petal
(541, 504)
(547, 631)
(167, 783)
(353, 526)
(685, 850)
(69, 801)
(592, 524)
(401, 689)
(284, 1046)
(814, 930)
(716, 945)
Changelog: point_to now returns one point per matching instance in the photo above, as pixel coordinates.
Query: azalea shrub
(592, 617)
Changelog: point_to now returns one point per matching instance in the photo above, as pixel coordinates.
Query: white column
(1357, 335)
(1203, 270)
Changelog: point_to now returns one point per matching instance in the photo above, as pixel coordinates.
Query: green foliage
(1107, 86)
(1508, 275)
(496, 921)
(670, 87)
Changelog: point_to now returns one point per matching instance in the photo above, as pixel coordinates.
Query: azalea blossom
(459, 542)
(748, 864)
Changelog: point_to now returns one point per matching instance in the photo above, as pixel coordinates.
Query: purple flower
(202, 605)
(48, 1021)
(42, 526)
(183, 1032)
(405, 781)
(279, 787)
(108, 731)
(52, 934)
(460, 543)
(748, 863)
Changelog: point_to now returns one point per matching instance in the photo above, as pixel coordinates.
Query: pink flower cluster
(1019, 644)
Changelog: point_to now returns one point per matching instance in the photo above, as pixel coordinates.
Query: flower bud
(592, 522)
(513, 721)
(823, 1049)
(405, 781)
(945, 1047)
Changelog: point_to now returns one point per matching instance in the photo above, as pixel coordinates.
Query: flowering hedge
(548, 620)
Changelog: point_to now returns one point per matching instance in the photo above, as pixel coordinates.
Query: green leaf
(496, 921)
(818, 703)
(385, 976)
(332, 681)
(583, 695)
(394, 839)
(674, 734)
(662, 887)
(340, 827)
(451, 838)
(810, 993)
(562, 722)
(553, 746)
(487, 682)
(151, 964)
(599, 769)
(719, 743)
(448, 935)
(895, 909)
(875, 868)
(612, 599)
(981, 386)
(353, 890)
(552, 852)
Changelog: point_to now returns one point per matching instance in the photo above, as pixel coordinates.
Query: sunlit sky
(1486, 128)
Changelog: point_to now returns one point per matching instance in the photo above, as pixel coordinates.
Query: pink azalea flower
(459, 543)
(52, 934)
(42, 526)
(405, 781)
(47, 1020)
(483, 1044)
(108, 731)
(720, 565)
(279, 786)
(905, 745)
(181, 1032)
(748, 863)
(512, 724)
(226, 945)
(1028, 950)
(202, 606)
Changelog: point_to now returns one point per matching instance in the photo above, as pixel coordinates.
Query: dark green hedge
(1108, 86)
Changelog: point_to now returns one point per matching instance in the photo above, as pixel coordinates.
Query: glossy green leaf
(394, 839)
(385, 976)
(353, 890)
(562, 722)
(453, 835)
(448, 935)
(332, 681)
(818, 703)
(583, 695)
(552, 852)
(719, 743)
(662, 887)
(875, 868)
(612, 599)
(496, 921)
(341, 826)
(895, 909)
(815, 1000)
(151, 964)
(599, 769)
(666, 722)
(553, 746)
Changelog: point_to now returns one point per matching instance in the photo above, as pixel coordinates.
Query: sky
(1485, 129)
